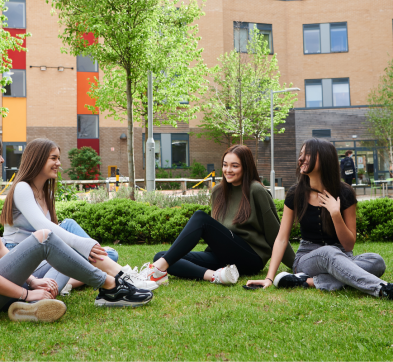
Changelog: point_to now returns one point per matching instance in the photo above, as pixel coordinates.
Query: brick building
(333, 50)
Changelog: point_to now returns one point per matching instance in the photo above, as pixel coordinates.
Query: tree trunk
(130, 137)
(390, 156)
(256, 151)
(146, 130)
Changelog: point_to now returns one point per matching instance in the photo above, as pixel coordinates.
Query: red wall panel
(18, 58)
(83, 86)
(90, 38)
(89, 142)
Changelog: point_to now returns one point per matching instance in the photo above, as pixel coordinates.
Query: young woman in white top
(30, 206)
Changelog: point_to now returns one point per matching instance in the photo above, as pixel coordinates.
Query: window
(322, 133)
(16, 14)
(338, 37)
(18, 86)
(171, 149)
(340, 92)
(325, 38)
(88, 126)
(86, 64)
(312, 39)
(242, 31)
(157, 149)
(179, 151)
(327, 92)
(313, 93)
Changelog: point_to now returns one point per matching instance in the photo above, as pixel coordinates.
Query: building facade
(333, 50)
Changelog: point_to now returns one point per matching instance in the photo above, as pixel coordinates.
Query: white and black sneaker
(287, 280)
(123, 295)
(386, 291)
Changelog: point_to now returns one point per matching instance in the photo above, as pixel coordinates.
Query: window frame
(86, 71)
(23, 71)
(330, 38)
(156, 137)
(349, 90)
(181, 137)
(346, 28)
(304, 44)
(262, 27)
(305, 91)
(331, 90)
(24, 20)
(96, 116)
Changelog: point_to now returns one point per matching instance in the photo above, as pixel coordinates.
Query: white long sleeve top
(29, 217)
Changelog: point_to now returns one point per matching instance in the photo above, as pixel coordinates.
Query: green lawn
(190, 320)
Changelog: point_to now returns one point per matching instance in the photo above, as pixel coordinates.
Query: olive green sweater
(261, 229)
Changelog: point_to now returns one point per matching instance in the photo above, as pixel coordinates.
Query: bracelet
(27, 294)
(269, 279)
(29, 282)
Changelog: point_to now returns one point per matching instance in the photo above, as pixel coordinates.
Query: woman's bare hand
(266, 283)
(330, 203)
(39, 294)
(48, 284)
(96, 253)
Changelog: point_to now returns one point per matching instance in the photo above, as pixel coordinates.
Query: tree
(134, 37)
(176, 87)
(84, 164)
(238, 103)
(380, 114)
(7, 42)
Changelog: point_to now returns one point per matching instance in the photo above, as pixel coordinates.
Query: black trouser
(348, 179)
(227, 248)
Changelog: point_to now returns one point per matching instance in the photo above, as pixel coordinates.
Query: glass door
(12, 154)
(365, 165)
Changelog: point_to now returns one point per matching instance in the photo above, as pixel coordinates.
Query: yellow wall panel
(14, 125)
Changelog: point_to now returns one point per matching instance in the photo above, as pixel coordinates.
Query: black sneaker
(387, 291)
(287, 280)
(123, 295)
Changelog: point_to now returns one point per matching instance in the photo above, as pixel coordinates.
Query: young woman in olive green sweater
(240, 233)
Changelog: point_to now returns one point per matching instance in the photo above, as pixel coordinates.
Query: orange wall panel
(83, 80)
(14, 125)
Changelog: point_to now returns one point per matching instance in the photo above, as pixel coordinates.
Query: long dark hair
(33, 160)
(250, 174)
(330, 177)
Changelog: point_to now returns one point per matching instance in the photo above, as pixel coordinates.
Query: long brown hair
(33, 160)
(250, 174)
(330, 177)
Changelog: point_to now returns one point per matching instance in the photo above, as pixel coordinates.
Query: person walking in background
(348, 168)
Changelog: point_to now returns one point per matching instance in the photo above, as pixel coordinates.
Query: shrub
(84, 164)
(63, 191)
(129, 221)
(152, 221)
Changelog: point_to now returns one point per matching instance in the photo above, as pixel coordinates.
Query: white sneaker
(227, 275)
(138, 281)
(46, 310)
(66, 290)
(150, 273)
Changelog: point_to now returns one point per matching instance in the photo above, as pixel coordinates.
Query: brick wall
(343, 124)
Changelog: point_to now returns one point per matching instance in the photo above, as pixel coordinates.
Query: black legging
(227, 248)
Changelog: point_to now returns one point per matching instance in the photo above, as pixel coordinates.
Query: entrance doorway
(12, 154)
(371, 159)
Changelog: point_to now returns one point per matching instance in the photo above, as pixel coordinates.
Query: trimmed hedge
(134, 222)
